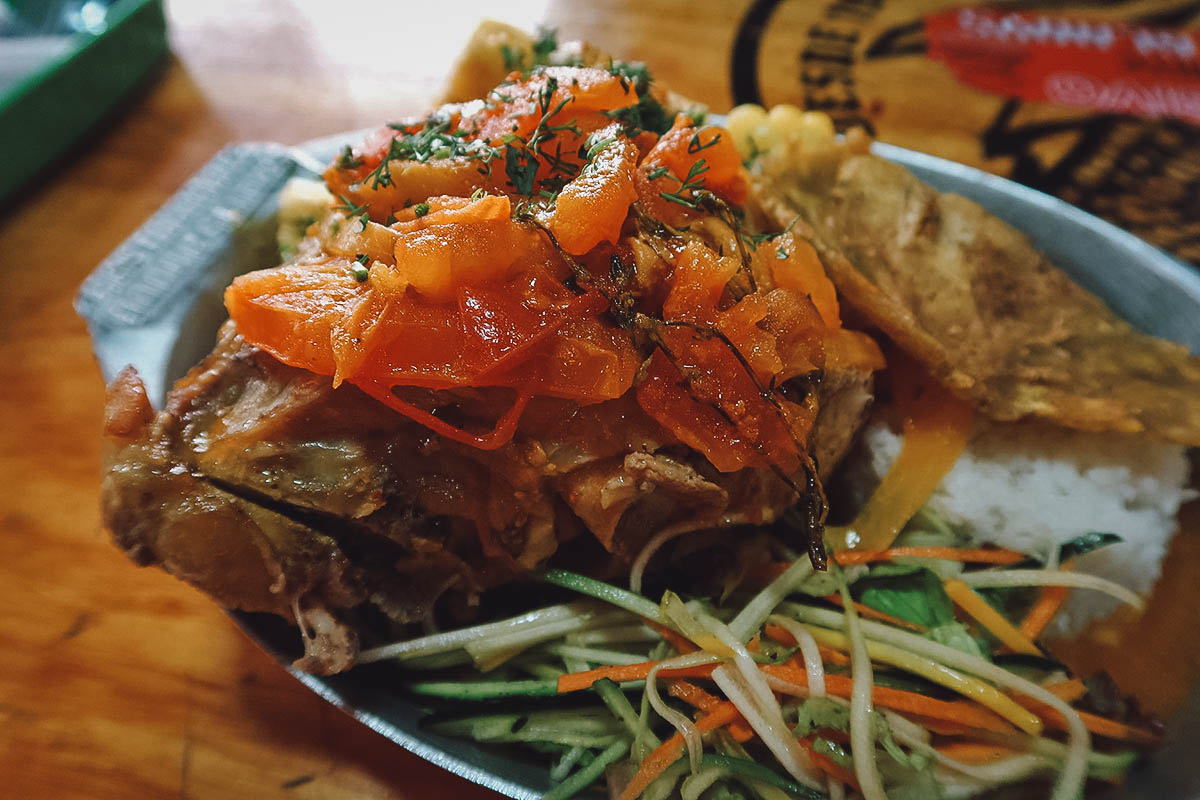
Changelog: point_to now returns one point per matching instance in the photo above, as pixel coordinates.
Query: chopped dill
(539, 54)
(545, 44)
(352, 210)
(514, 59)
(436, 139)
(755, 239)
(347, 160)
(692, 183)
(521, 163)
(694, 146)
(647, 114)
(421, 209)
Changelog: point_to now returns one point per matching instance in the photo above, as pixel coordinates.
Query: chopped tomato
(692, 158)
(459, 244)
(708, 400)
(427, 280)
(592, 208)
(530, 333)
(795, 265)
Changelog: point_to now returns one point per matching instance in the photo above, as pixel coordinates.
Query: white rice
(1031, 487)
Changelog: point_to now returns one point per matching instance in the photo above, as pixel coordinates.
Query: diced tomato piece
(697, 282)
(664, 395)
(682, 148)
(592, 207)
(801, 270)
(461, 244)
(290, 311)
(713, 405)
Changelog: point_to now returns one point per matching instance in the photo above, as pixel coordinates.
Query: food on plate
(568, 337)
(520, 321)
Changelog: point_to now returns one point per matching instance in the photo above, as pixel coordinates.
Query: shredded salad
(912, 671)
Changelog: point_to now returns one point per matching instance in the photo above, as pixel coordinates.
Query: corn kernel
(743, 124)
(816, 130)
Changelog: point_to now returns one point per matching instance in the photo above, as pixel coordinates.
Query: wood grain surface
(117, 682)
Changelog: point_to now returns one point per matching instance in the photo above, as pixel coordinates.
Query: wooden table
(120, 682)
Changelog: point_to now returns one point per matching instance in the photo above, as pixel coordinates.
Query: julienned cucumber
(758, 772)
(495, 690)
(483, 690)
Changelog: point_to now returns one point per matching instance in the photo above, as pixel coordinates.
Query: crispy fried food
(970, 298)
(272, 491)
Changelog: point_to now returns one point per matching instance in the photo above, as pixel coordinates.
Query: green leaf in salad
(817, 713)
(914, 594)
(1086, 543)
(957, 635)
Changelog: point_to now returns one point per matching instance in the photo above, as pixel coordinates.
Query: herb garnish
(647, 114)
(353, 210)
(694, 146)
(523, 157)
(755, 239)
(692, 183)
(436, 139)
(539, 54)
(421, 209)
(347, 160)
(359, 270)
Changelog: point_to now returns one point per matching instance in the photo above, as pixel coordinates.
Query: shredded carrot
(1101, 726)
(831, 656)
(681, 644)
(969, 601)
(779, 634)
(976, 556)
(669, 751)
(847, 558)
(693, 695)
(578, 681)
(1068, 691)
(1050, 600)
(940, 726)
(957, 711)
(975, 752)
(500, 434)
(871, 613)
(828, 765)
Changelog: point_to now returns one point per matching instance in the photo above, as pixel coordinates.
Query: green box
(48, 111)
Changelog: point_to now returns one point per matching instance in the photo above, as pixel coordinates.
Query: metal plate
(156, 303)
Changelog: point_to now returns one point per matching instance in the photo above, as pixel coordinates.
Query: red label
(1104, 66)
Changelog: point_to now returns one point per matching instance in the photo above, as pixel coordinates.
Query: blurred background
(116, 682)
